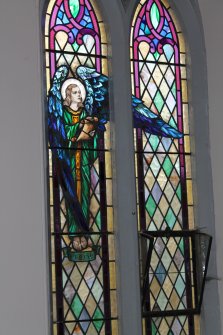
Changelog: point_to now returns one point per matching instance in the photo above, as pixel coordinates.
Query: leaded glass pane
(163, 161)
(80, 174)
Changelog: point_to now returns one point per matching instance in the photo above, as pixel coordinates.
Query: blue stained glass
(65, 19)
(58, 21)
(163, 33)
(156, 192)
(155, 41)
(90, 25)
(142, 26)
(168, 50)
(141, 33)
(62, 8)
(160, 273)
(60, 14)
(83, 23)
(147, 31)
(166, 25)
(86, 12)
(180, 286)
(74, 31)
(87, 18)
(166, 143)
(84, 316)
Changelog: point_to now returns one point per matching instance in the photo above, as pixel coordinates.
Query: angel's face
(76, 95)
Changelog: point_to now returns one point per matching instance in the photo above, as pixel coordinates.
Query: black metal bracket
(198, 253)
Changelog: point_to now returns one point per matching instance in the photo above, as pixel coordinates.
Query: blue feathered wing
(150, 122)
(58, 144)
(96, 102)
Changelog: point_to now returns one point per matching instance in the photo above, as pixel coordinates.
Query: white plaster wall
(211, 12)
(23, 298)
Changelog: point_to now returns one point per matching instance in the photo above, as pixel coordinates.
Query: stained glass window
(80, 177)
(163, 161)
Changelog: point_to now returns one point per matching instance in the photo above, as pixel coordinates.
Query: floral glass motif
(163, 162)
(80, 178)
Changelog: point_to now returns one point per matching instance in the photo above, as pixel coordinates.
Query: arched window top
(162, 144)
(156, 24)
(80, 173)
(76, 27)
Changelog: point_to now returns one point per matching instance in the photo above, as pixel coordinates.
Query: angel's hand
(91, 119)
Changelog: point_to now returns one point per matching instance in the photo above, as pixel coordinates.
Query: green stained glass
(98, 315)
(167, 166)
(74, 7)
(75, 46)
(154, 329)
(150, 206)
(170, 218)
(77, 306)
(159, 102)
(178, 192)
(154, 141)
(181, 246)
(172, 123)
(173, 90)
(155, 15)
(156, 55)
(98, 221)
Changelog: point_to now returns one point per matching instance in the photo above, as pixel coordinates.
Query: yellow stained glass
(184, 91)
(189, 192)
(110, 218)
(187, 144)
(112, 274)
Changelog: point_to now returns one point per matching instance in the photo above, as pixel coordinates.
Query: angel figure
(76, 115)
(77, 112)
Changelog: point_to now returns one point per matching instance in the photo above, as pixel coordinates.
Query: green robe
(82, 158)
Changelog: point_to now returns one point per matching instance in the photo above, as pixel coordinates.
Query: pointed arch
(80, 177)
(165, 196)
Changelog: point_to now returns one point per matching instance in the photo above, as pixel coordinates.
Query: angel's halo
(73, 81)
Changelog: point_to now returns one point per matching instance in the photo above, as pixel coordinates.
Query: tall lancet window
(80, 178)
(163, 162)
